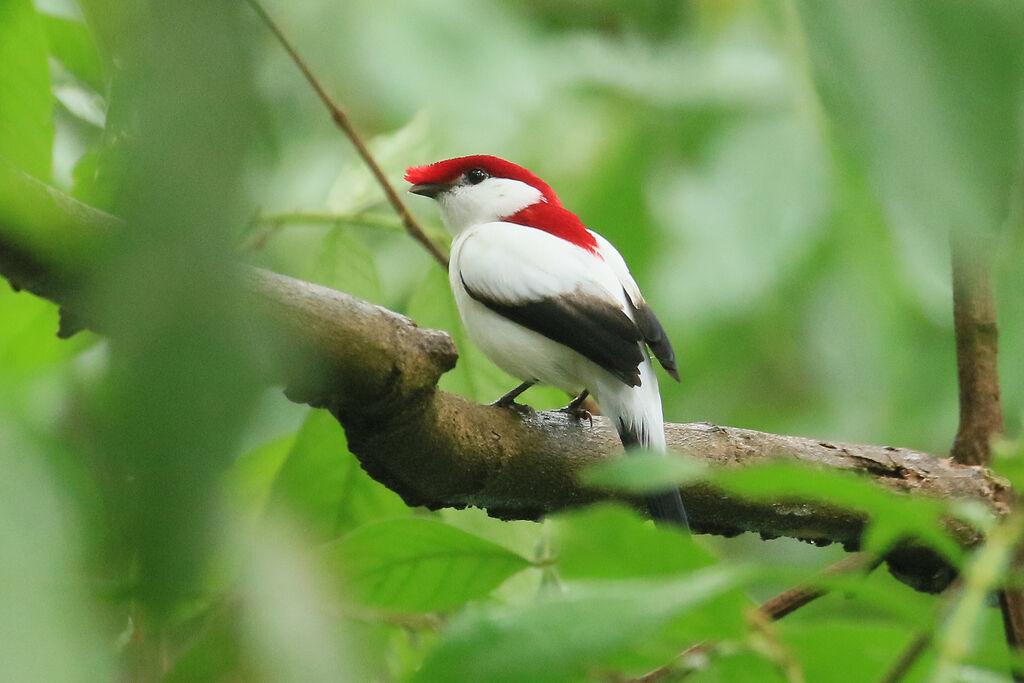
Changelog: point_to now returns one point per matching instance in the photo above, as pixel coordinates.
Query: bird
(550, 301)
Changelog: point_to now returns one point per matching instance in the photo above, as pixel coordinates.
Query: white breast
(515, 263)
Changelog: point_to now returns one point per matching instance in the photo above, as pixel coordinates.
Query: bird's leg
(576, 410)
(509, 399)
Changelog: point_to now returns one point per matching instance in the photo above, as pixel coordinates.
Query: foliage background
(782, 178)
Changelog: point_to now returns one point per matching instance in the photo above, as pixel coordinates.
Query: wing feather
(646, 320)
(556, 289)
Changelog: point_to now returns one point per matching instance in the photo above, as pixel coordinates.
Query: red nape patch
(557, 221)
(450, 169)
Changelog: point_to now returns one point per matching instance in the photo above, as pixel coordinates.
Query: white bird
(550, 301)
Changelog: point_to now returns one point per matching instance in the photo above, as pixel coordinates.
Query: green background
(782, 178)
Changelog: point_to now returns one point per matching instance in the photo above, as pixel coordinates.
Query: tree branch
(377, 372)
(981, 410)
(977, 348)
(341, 119)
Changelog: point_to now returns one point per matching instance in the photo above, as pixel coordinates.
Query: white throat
(492, 200)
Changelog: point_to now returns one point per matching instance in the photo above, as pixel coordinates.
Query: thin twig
(910, 654)
(342, 121)
(795, 598)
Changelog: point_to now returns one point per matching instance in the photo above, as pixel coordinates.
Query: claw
(576, 411)
(509, 400)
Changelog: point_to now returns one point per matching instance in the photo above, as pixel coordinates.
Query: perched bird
(550, 301)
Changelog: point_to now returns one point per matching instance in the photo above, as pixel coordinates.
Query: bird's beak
(429, 189)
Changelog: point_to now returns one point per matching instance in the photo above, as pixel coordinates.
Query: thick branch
(377, 373)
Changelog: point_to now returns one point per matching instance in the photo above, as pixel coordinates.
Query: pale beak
(430, 189)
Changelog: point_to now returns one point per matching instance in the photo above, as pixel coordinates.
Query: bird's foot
(509, 400)
(509, 403)
(576, 411)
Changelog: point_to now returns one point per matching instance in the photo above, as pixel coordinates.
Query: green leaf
(28, 337)
(336, 257)
(641, 472)
(892, 516)
(346, 263)
(1008, 461)
(563, 637)
(612, 542)
(249, 479)
(287, 631)
(52, 631)
(323, 483)
(420, 564)
(26, 104)
(740, 666)
(878, 596)
(72, 43)
(833, 652)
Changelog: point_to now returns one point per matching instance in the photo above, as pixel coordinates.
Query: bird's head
(479, 189)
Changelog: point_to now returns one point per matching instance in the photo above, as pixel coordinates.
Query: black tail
(663, 506)
(668, 507)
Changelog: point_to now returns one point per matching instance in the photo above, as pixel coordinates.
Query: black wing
(586, 324)
(654, 335)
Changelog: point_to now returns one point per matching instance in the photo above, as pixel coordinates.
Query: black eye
(476, 175)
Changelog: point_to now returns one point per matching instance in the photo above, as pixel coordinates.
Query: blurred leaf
(643, 471)
(860, 647)
(287, 631)
(322, 483)
(335, 256)
(250, 478)
(1008, 461)
(742, 666)
(560, 638)
(81, 102)
(26, 104)
(613, 542)
(939, 127)
(72, 43)
(92, 181)
(49, 631)
(215, 655)
(182, 377)
(877, 596)
(346, 263)
(892, 516)
(420, 564)
(734, 224)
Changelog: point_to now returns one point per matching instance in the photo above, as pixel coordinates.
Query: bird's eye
(476, 175)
